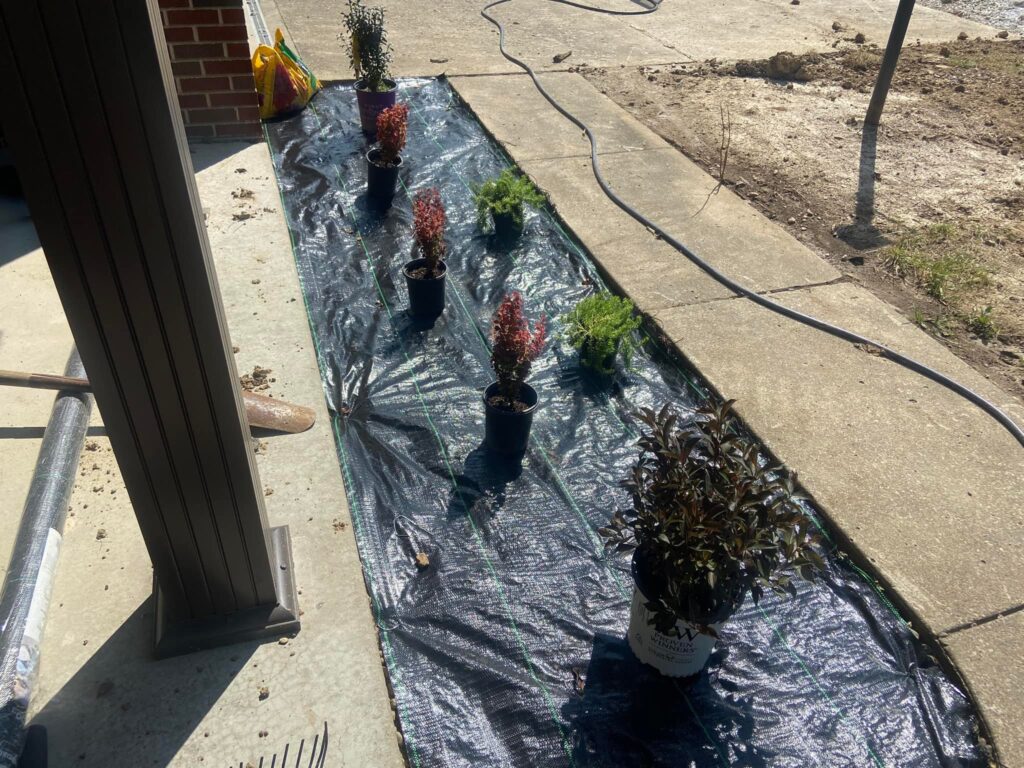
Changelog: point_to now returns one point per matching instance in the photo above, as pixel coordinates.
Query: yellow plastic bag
(283, 82)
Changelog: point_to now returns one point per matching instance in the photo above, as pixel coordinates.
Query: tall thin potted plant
(425, 275)
(709, 525)
(384, 160)
(509, 403)
(370, 56)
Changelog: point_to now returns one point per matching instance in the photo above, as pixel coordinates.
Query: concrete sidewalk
(452, 37)
(104, 700)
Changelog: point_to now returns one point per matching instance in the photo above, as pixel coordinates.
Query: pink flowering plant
(428, 220)
(514, 346)
(392, 125)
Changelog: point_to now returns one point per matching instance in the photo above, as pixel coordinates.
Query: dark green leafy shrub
(709, 523)
(369, 53)
(600, 327)
(505, 195)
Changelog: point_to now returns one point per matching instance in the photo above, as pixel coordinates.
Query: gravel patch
(1001, 14)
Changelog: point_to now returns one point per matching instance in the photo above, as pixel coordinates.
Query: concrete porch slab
(925, 485)
(105, 702)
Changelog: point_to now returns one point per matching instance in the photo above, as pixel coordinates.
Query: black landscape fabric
(508, 649)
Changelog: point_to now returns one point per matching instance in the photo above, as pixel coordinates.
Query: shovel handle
(44, 381)
(261, 411)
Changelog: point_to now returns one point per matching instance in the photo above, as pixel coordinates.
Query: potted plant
(599, 328)
(501, 201)
(509, 403)
(708, 525)
(384, 159)
(425, 276)
(370, 56)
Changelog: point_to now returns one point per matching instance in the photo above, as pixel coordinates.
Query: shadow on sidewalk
(123, 708)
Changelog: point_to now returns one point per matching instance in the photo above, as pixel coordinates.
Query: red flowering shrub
(513, 346)
(428, 226)
(391, 129)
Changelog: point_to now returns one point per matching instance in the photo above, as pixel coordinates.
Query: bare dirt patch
(927, 211)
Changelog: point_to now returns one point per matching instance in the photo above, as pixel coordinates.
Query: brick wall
(210, 56)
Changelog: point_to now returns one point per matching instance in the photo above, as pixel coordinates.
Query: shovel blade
(278, 415)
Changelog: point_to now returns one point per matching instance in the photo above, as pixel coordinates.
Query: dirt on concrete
(257, 381)
(927, 210)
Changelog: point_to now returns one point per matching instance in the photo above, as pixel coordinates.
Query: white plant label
(672, 656)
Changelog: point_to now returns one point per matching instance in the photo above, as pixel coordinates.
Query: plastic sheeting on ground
(509, 649)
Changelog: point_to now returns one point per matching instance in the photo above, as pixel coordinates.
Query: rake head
(315, 757)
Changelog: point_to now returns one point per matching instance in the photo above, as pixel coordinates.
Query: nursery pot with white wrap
(683, 654)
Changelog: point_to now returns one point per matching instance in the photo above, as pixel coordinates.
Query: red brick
(193, 101)
(238, 51)
(202, 84)
(179, 34)
(186, 68)
(243, 83)
(192, 16)
(232, 16)
(183, 51)
(227, 67)
(237, 99)
(224, 115)
(226, 33)
(240, 131)
(249, 113)
(200, 131)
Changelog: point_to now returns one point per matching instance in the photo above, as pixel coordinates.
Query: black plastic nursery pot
(505, 226)
(426, 294)
(372, 103)
(607, 364)
(381, 180)
(507, 432)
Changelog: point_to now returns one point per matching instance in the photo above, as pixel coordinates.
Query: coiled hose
(740, 290)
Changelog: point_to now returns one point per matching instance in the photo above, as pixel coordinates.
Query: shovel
(261, 411)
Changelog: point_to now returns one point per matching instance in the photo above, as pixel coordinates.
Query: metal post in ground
(94, 127)
(889, 60)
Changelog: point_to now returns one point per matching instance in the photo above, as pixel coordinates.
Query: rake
(317, 755)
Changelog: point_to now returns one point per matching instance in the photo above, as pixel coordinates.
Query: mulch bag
(283, 82)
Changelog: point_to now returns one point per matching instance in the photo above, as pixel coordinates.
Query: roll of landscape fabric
(29, 579)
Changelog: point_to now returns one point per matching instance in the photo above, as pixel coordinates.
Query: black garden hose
(740, 290)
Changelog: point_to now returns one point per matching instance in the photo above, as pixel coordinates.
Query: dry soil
(927, 211)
